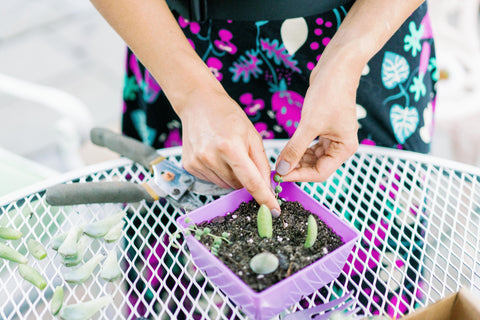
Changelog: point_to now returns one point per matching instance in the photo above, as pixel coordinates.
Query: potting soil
(289, 233)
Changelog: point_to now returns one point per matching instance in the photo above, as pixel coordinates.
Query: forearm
(368, 25)
(150, 30)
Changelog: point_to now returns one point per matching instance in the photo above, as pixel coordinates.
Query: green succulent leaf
(264, 222)
(312, 231)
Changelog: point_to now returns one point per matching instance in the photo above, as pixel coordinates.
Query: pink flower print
(375, 298)
(146, 81)
(424, 58)
(252, 106)
(215, 66)
(398, 306)
(288, 107)
(262, 128)
(194, 26)
(224, 43)
(154, 274)
(427, 27)
(182, 22)
(191, 43)
(173, 139)
(367, 258)
(392, 271)
(368, 142)
(369, 255)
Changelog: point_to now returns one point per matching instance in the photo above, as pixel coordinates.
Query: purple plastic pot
(276, 298)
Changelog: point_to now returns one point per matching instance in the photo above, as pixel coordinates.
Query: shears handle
(97, 192)
(112, 192)
(125, 146)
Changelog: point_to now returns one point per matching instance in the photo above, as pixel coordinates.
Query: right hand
(221, 145)
(329, 113)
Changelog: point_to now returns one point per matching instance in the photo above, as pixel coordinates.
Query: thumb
(294, 150)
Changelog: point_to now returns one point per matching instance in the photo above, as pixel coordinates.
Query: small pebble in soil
(264, 263)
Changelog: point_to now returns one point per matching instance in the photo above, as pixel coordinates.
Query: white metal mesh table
(418, 215)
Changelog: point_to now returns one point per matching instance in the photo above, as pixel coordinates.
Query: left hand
(329, 113)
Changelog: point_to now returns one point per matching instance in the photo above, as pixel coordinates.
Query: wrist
(187, 82)
(198, 98)
(340, 63)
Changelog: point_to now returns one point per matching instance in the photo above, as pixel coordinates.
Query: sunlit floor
(63, 44)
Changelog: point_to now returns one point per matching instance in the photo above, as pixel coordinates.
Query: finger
(321, 147)
(294, 150)
(249, 175)
(228, 177)
(308, 160)
(220, 170)
(260, 159)
(335, 155)
(305, 174)
(325, 165)
(209, 175)
(210, 166)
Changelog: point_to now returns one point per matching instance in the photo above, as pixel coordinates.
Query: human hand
(221, 145)
(329, 113)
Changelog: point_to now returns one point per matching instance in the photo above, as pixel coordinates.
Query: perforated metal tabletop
(418, 215)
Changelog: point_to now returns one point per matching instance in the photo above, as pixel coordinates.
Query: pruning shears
(169, 180)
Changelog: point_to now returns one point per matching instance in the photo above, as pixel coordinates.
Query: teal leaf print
(432, 68)
(246, 66)
(146, 133)
(395, 70)
(281, 86)
(412, 40)
(418, 87)
(404, 122)
(261, 23)
(279, 53)
(130, 88)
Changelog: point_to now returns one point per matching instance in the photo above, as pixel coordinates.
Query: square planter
(276, 298)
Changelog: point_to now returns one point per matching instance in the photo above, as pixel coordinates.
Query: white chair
(72, 126)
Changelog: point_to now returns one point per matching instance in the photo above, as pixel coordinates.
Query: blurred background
(62, 69)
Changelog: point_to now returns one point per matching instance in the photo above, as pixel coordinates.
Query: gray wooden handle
(96, 192)
(126, 146)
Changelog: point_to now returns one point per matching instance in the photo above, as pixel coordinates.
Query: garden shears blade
(169, 180)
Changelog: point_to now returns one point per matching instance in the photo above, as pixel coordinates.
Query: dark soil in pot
(289, 233)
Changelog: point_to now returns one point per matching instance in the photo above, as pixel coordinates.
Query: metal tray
(423, 209)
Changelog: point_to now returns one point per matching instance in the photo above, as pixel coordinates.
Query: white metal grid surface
(419, 217)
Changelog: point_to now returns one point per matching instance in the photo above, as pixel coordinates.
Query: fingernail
(283, 167)
(275, 213)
